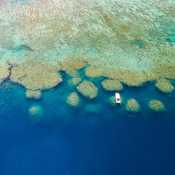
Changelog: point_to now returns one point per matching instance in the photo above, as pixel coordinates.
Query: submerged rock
(91, 108)
(88, 89)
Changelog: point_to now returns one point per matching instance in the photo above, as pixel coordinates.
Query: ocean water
(73, 142)
(93, 139)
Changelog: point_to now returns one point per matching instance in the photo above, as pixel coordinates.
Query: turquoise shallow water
(72, 142)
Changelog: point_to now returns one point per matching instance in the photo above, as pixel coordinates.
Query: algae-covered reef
(128, 41)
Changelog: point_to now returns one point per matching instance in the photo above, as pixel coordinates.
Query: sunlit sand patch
(33, 94)
(164, 85)
(36, 112)
(88, 89)
(4, 70)
(73, 100)
(156, 106)
(112, 85)
(36, 75)
(132, 106)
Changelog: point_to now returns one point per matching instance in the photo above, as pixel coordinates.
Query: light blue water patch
(22, 47)
(171, 38)
(139, 43)
(22, 1)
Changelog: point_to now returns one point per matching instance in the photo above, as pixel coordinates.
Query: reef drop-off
(128, 41)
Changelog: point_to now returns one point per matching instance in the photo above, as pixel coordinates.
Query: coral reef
(164, 85)
(131, 78)
(73, 100)
(156, 106)
(74, 81)
(112, 85)
(118, 39)
(92, 72)
(70, 66)
(36, 75)
(112, 101)
(4, 70)
(33, 94)
(91, 108)
(88, 89)
(132, 106)
(164, 70)
(71, 72)
(73, 63)
(36, 111)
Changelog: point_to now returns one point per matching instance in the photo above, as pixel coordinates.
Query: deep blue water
(72, 142)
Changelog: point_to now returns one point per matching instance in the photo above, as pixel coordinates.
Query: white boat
(117, 98)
